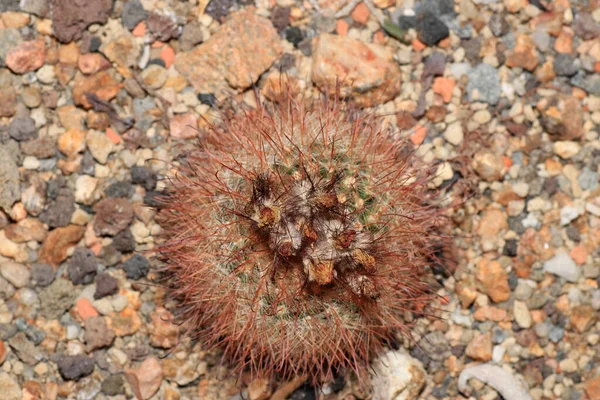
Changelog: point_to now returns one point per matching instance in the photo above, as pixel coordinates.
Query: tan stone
(55, 246)
(146, 379)
(72, 142)
(493, 280)
(492, 223)
(582, 317)
(71, 117)
(488, 165)
(183, 126)
(163, 332)
(368, 73)
(480, 348)
(236, 55)
(92, 62)
(26, 57)
(123, 50)
(102, 84)
(523, 55)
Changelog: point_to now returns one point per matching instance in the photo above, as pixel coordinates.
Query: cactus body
(297, 238)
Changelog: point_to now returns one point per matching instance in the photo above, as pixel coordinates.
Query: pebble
(41, 8)
(101, 84)
(25, 349)
(396, 374)
(42, 275)
(55, 246)
(566, 149)
(133, 13)
(56, 298)
(183, 126)
(85, 192)
(454, 133)
(82, 266)
(488, 165)
(100, 145)
(46, 74)
(522, 315)
(431, 29)
(564, 266)
(72, 142)
(145, 379)
(588, 179)
(106, 285)
(136, 267)
(75, 367)
(163, 333)
(26, 57)
(17, 274)
(237, 54)
(123, 50)
(377, 77)
(9, 387)
(493, 279)
(154, 76)
(9, 178)
(556, 334)
(70, 20)
(484, 84)
(480, 348)
(23, 129)
(565, 65)
(113, 215)
(97, 334)
(569, 214)
(192, 35)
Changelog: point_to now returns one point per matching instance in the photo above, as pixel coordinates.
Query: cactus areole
(298, 238)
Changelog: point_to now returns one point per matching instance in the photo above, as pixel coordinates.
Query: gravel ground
(95, 95)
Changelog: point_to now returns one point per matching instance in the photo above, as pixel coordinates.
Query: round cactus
(298, 238)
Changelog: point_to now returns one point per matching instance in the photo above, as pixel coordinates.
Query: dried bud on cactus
(298, 237)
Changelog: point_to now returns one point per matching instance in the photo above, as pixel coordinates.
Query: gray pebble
(22, 129)
(556, 334)
(588, 179)
(485, 82)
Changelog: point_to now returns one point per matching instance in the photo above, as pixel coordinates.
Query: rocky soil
(96, 97)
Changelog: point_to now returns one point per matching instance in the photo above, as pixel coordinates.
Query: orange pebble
(167, 54)
(113, 136)
(507, 162)
(360, 13)
(341, 27)
(444, 87)
(418, 135)
(379, 38)
(85, 309)
(579, 255)
(139, 30)
(418, 45)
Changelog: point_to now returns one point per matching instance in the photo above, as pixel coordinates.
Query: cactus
(298, 238)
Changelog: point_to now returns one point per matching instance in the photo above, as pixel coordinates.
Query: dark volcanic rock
(42, 274)
(133, 13)
(112, 216)
(143, 176)
(106, 285)
(136, 267)
(22, 129)
(71, 17)
(61, 210)
(83, 266)
(431, 29)
(75, 367)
